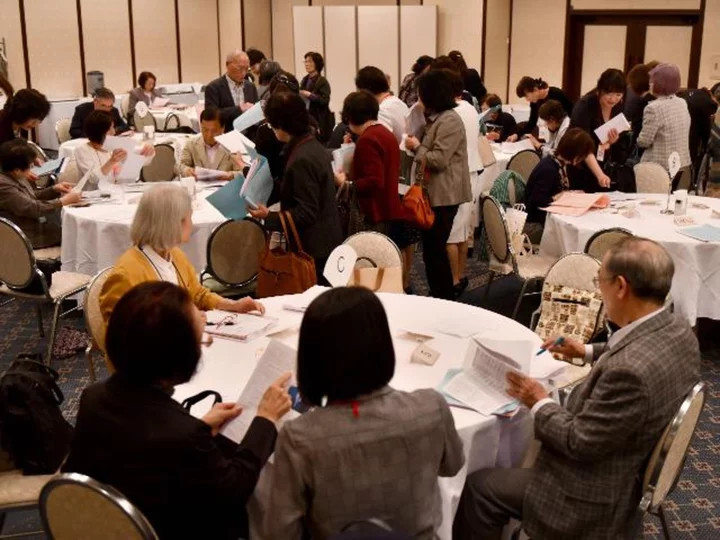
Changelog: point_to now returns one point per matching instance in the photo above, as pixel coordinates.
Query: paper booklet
(253, 116)
(259, 183)
(618, 123)
(576, 204)
(515, 147)
(277, 360)
(227, 199)
(239, 326)
(704, 233)
(130, 170)
(342, 158)
(300, 302)
(49, 167)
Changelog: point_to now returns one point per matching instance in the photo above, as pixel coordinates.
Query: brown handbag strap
(302, 141)
(420, 172)
(296, 236)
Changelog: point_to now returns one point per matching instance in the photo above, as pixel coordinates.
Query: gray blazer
(665, 129)
(138, 94)
(444, 149)
(588, 474)
(332, 468)
(34, 211)
(195, 155)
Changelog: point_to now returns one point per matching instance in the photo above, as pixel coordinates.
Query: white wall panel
(379, 39)
(604, 48)
(307, 35)
(230, 29)
(198, 40)
(12, 33)
(418, 35)
(340, 46)
(155, 39)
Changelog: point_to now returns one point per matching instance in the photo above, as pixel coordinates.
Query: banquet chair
(172, 121)
(375, 250)
(94, 319)
(162, 166)
(141, 122)
(651, 178)
(529, 268)
(600, 242)
(233, 257)
(70, 173)
(62, 130)
(523, 163)
(18, 269)
(125, 107)
(76, 506)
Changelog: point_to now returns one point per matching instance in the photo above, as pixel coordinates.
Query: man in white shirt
(585, 482)
(392, 110)
(203, 154)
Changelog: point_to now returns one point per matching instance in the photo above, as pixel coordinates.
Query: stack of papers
(160, 102)
(576, 204)
(704, 233)
(300, 302)
(342, 158)
(619, 123)
(238, 326)
(259, 183)
(209, 174)
(515, 147)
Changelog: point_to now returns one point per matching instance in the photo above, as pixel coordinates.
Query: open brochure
(258, 184)
(277, 360)
(618, 122)
(576, 204)
(515, 147)
(253, 116)
(49, 167)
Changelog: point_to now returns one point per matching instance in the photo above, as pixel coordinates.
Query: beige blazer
(194, 155)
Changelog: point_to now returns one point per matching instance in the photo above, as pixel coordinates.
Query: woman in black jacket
(308, 185)
(471, 78)
(316, 89)
(185, 477)
(537, 92)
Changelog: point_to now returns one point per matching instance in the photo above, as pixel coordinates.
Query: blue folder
(228, 201)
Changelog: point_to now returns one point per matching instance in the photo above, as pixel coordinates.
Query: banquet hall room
(360, 269)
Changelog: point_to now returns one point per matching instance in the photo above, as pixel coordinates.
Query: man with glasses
(585, 482)
(232, 93)
(103, 100)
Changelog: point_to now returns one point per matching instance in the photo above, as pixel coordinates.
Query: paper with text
(235, 142)
(515, 147)
(619, 123)
(300, 302)
(238, 326)
(253, 116)
(133, 164)
(576, 204)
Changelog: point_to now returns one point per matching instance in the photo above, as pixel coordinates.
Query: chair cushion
(530, 266)
(16, 489)
(63, 283)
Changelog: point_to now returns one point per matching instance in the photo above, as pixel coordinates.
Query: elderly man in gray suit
(585, 483)
(232, 93)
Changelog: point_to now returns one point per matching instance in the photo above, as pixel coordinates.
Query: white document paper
(81, 184)
(160, 102)
(300, 302)
(340, 265)
(618, 123)
(277, 360)
(254, 115)
(233, 142)
(208, 174)
(515, 147)
(239, 326)
(342, 158)
(462, 327)
(130, 170)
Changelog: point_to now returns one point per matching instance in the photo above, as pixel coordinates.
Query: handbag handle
(291, 222)
(420, 172)
(192, 400)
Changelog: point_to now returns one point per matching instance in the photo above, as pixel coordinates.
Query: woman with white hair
(162, 222)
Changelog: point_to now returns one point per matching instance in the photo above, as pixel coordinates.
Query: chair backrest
(17, 261)
(375, 247)
(523, 163)
(651, 178)
(141, 121)
(38, 150)
(125, 106)
(234, 250)
(667, 460)
(496, 229)
(91, 307)
(172, 121)
(62, 130)
(685, 177)
(70, 172)
(508, 188)
(162, 166)
(576, 270)
(600, 242)
(76, 506)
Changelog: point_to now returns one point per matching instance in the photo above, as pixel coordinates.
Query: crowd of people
(189, 480)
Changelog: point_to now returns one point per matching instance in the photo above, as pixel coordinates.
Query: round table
(488, 441)
(94, 237)
(696, 285)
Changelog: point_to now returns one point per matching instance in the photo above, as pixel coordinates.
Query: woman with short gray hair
(162, 223)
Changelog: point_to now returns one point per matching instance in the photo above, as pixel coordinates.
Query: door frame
(637, 22)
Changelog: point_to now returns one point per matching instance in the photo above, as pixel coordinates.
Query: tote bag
(416, 202)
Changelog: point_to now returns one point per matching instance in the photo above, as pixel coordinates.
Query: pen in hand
(558, 341)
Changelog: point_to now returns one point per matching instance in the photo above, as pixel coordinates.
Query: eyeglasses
(597, 279)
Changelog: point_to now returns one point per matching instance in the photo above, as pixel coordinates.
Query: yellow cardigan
(133, 268)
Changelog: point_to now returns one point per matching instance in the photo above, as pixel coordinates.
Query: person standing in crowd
(472, 82)
(256, 58)
(500, 124)
(537, 92)
(268, 69)
(408, 87)
(702, 105)
(23, 111)
(638, 84)
(446, 63)
(188, 479)
(315, 90)
(392, 109)
(308, 186)
(586, 480)
(549, 179)
(666, 121)
(442, 156)
(232, 93)
(400, 441)
(557, 122)
(146, 92)
(103, 100)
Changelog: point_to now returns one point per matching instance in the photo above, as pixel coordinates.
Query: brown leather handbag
(285, 271)
(416, 202)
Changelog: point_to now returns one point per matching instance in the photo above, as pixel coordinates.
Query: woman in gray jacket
(443, 154)
(145, 92)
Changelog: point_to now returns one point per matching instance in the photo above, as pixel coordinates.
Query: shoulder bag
(416, 202)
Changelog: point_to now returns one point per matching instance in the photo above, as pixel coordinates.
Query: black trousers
(435, 257)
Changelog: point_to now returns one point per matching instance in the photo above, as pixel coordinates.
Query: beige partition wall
(670, 44)
(635, 4)
(155, 39)
(107, 46)
(340, 47)
(460, 27)
(282, 32)
(497, 48)
(418, 35)
(307, 35)
(710, 56)
(230, 28)
(54, 47)
(12, 33)
(379, 40)
(257, 25)
(604, 48)
(198, 21)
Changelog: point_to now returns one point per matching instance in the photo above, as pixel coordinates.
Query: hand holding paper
(527, 390)
(618, 123)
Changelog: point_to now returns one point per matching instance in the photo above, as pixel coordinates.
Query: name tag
(424, 354)
(600, 154)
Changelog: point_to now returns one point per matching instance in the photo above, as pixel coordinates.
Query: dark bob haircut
(345, 348)
(528, 85)
(371, 79)
(552, 109)
(421, 63)
(255, 56)
(638, 79)
(360, 107)
(211, 114)
(25, 104)
(611, 81)
(576, 143)
(445, 62)
(437, 91)
(151, 335)
(16, 155)
(287, 111)
(144, 77)
(97, 124)
(317, 60)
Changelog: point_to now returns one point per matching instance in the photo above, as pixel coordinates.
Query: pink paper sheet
(576, 204)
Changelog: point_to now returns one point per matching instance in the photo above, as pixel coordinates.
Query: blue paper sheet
(259, 184)
(48, 167)
(254, 115)
(228, 201)
(704, 233)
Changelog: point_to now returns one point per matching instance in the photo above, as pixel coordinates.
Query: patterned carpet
(693, 510)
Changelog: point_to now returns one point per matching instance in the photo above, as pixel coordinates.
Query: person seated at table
(188, 479)
(366, 449)
(162, 222)
(586, 480)
(549, 179)
(23, 110)
(146, 92)
(557, 123)
(666, 120)
(392, 109)
(35, 211)
(501, 124)
(537, 92)
(103, 100)
(100, 164)
(204, 151)
(307, 190)
(232, 93)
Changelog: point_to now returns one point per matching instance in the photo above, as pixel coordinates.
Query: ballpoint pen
(558, 341)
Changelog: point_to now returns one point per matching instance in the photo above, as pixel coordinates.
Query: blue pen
(558, 341)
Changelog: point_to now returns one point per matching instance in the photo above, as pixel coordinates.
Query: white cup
(149, 133)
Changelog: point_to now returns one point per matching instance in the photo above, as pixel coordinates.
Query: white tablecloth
(95, 236)
(490, 174)
(488, 441)
(188, 117)
(521, 112)
(696, 286)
